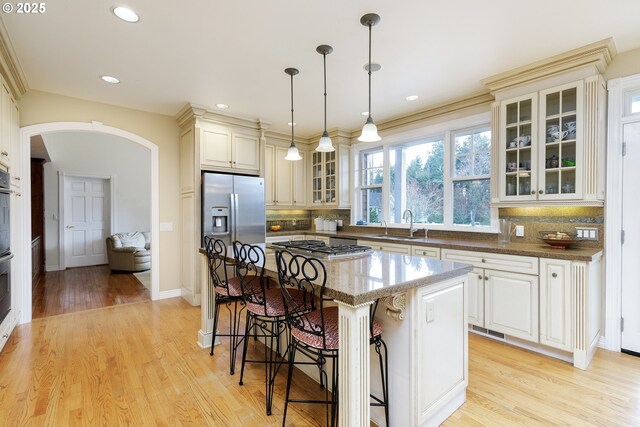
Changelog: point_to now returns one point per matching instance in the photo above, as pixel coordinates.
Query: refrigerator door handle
(234, 217)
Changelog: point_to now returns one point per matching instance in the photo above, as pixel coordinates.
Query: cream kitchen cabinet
(9, 124)
(503, 292)
(386, 247)
(426, 251)
(511, 304)
(549, 146)
(555, 303)
(330, 178)
(284, 179)
(221, 148)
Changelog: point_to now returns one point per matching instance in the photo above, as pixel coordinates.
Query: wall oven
(5, 246)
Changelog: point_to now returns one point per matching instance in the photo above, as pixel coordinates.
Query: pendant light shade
(325, 143)
(369, 130)
(292, 153)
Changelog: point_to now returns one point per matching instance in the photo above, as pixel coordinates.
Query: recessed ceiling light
(412, 97)
(125, 14)
(110, 79)
(364, 113)
(289, 124)
(222, 106)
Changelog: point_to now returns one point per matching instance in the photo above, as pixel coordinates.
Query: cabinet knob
(18, 194)
(483, 260)
(5, 336)
(4, 153)
(486, 278)
(533, 192)
(540, 191)
(479, 277)
(17, 178)
(230, 162)
(554, 275)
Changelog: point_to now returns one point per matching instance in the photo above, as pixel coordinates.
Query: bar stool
(266, 314)
(228, 292)
(315, 333)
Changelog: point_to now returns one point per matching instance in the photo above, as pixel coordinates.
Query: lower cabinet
(475, 297)
(386, 247)
(511, 304)
(555, 303)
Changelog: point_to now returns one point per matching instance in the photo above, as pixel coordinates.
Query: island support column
(353, 365)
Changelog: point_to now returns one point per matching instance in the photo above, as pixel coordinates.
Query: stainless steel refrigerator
(233, 208)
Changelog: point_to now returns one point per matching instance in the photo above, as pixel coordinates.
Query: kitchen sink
(390, 237)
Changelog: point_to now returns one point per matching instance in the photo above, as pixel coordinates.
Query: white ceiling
(234, 52)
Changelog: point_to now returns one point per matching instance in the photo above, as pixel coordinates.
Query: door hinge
(622, 236)
(622, 324)
(624, 149)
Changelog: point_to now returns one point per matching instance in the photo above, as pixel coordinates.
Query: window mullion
(447, 181)
(386, 177)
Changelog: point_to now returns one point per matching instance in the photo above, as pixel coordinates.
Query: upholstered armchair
(129, 251)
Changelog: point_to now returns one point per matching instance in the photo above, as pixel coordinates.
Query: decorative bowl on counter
(276, 227)
(559, 239)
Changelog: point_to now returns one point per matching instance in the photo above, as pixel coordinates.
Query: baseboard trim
(51, 268)
(602, 342)
(172, 293)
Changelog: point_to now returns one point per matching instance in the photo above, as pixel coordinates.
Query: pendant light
(369, 130)
(325, 143)
(292, 153)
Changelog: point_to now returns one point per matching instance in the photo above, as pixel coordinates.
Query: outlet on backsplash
(519, 230)
(587, 233)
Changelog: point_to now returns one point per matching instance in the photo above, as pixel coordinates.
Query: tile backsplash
(300, 219)
(556, 218)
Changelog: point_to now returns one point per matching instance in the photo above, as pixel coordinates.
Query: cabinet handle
(18, 194)
(479, 277)
(533, 192)
(17, 178)
(484, 260)
(540, 191)
(486, 278)
(5, 336)
(554, 275)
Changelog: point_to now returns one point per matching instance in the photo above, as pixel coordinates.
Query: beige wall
(624, 64)
(40, 107)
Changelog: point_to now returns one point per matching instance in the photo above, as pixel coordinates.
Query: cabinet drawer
(426, 251)
(502, 262)
(285, 238)
(386, 247)
(5, 330)
(325, 239)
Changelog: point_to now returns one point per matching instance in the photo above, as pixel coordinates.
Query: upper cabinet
(330, 178)
(549, 130)
(285, 181)
(222, 147)
(8, 120)
(542, 141)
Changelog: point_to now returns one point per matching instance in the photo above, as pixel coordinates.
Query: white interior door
(86, 220)
(631, 246)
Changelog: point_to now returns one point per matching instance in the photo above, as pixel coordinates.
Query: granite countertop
(540, 250)
(363, 279)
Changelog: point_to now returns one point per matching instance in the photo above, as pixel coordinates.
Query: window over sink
(442, 174)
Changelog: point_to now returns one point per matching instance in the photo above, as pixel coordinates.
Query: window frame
(446, 129)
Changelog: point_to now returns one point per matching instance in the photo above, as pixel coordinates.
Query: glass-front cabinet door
(560, 153)
(518, 146)
(324, 168)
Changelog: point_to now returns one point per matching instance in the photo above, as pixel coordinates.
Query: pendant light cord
(292, 124)
(324, 58)
(369, 70)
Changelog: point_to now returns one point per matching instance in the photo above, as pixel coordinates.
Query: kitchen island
(423, 309)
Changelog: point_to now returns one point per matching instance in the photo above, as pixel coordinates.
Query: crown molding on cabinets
(482, 99)
(598, 54)
(10, 67)
(191, 112)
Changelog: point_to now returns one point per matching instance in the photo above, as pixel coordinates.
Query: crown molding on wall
(598, 54)
(9, 65)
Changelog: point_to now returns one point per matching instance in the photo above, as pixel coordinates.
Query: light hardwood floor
(138, 364)
(84, 288)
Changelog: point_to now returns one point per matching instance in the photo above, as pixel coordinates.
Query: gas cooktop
(319, 248)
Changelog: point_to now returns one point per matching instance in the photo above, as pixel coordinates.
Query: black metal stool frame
(217, 260)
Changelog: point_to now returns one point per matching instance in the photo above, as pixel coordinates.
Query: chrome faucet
(404, 217)
(385, 226)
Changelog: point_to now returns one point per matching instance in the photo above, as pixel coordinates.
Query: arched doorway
(24, 204)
